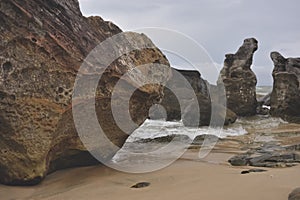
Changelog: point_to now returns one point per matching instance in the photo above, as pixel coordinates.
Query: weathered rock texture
(239, 80)
(295, 194)
(42, 45)
(172, 104)
(285, 97)
(269, 155)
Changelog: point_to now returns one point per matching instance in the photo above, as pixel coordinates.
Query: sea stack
(173, 105)
(183, 107)
(43, 44)
(239, 80)
(285, 97)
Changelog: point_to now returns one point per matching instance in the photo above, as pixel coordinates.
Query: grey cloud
(219, 25)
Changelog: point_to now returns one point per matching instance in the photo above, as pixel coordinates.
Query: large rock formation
(285, 97)
(183, 107)
(172, 104)
(239, 80)
(42, 45)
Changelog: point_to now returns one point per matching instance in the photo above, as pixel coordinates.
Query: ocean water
(159, 128)
(140, 157)
(263, 90)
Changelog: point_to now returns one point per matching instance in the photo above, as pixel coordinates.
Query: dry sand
(187, 178)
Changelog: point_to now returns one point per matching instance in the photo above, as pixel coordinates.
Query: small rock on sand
(295, 194)
(141, 185)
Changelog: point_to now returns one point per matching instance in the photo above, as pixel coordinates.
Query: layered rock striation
(42, 45)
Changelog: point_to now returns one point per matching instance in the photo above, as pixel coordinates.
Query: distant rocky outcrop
(285, 97)
(42, 45)
(190, 110)
(239, 80)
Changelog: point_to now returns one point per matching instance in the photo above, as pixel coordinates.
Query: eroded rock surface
(173, 104)
(42, 45)
(239, 80)
(285, 97)
(179, 104)
(295, 194)
(269, 155)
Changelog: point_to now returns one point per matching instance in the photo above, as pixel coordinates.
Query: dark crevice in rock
(72, 158)
(7, 66)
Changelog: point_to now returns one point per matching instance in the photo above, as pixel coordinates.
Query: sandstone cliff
(42, 45)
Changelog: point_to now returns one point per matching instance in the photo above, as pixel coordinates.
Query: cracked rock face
(239, 80)
(285, 97)
(42, 45)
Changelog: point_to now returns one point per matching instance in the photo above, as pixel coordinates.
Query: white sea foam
(140, 157)
(159, 128)
(268, 107)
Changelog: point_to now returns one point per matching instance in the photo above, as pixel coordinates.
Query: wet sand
(187, 178)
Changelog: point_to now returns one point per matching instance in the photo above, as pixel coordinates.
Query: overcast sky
(220, 26)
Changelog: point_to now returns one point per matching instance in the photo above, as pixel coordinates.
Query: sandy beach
(141, 85)
(210, 178)
(186, 178)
